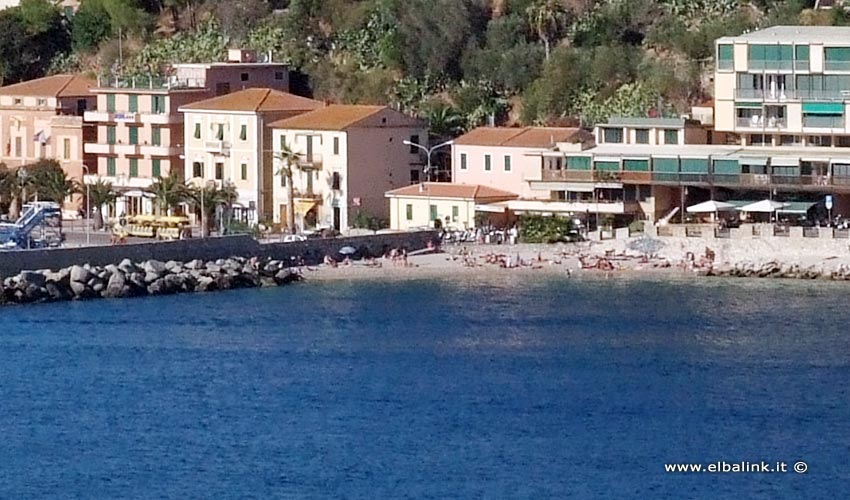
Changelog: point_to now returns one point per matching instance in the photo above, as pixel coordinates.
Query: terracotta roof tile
(452, 190)
(526, 137)
(333, 117)
(52, 86)
(255, 100)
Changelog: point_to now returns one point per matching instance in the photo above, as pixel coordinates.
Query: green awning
(797, 207)
(727, 167)
(667, 165)
(610, 166)
(695, 165)
(578, 163)
(630, 165)
(748, 105)
(823, 108)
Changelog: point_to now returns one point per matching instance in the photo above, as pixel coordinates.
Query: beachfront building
(349, 156)
(417, 206)
(140, 130)
(227, 140)
(43, 118)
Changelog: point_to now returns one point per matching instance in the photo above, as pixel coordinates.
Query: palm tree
(100, 193)
(53, 185)
(547, 17)
(208, 199)
(168, 193)
(444, 121)
(289, 160)
(13, 185)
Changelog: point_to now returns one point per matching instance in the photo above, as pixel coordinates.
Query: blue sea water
(515, 388)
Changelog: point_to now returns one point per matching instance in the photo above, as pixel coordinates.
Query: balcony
(836, 65)
(152, 150)
(762, 123)
(217, 147)
(99, 148)
(769, 65)
(161, 118)
(830, 122)
(305, 195)
(636, 177)
(150, 83)
(310, 161)
(127, 149)
(121, 117)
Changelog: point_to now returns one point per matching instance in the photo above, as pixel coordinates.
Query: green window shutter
(156, 136)
(134, 103)
(110, 103)
(282, 141)
(667, 165)
(243, 133)
(134, 167)
(578, 163)
(607, 166)
(463, 161)
(244, 171)
(409, 210)
(636, 165)
(695, 165)
(507, 163)
(158, 104)
(823, 108)
(755, 105)
(487, 163)
(727, 167)
(110, 166)
(134, 135)
(219, 134)
(433, 212)
(455, 213)
(110, 134)
(156, 168)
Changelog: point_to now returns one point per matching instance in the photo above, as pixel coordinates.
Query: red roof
(525, 137)
(474, 192)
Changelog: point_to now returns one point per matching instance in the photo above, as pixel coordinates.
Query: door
(283, 216)
(337, 216)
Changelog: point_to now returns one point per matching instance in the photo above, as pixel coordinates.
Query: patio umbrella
(347, 250)
(763, 206)
(711, 206)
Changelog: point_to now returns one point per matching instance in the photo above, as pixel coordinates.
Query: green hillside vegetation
(456, 63)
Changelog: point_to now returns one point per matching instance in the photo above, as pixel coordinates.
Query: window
(66, 148)
(156, 136)
(219, 171)
(725, 57)
(134, 135)
(455, 213)
(18, 101)
(414, 139)
(336, 145)
(134, 167)
(487, 163)
(434, 212)
(671, 137)
(243, 132)
(507, 163)
(244, 77)
(197, 169)
(110, 103)
(612, 135)
(771, 57)
(156, 167)
(414, 175)
(158, 104)
(463, 161)
(134, 104)
(197, 134)
(41, 102)
(282, 142)
(409, 211)
(335, 181)
(836, 58)
(219, 133)
(110, 166)
(642, 136)
(278, 75)
(244, 168)
(110, 134)
(801, 57)
(282, 180)
(19, 150)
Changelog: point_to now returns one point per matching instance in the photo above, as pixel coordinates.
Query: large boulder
(154, 266)
(174, 283)
(115, 286)
(59, 291)
(158, 287)
(32, 278)
(206, 284)
(80, 274)
(127, 267)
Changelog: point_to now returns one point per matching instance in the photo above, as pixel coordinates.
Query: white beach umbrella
(710, 206)
(763, 206)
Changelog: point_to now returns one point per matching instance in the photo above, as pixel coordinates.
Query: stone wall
(311, 251)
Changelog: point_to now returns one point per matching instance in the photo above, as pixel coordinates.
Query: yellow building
(419, 205)
(228, 140)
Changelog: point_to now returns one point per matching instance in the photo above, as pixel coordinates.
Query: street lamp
(428, 152)
(203, 183)
(88, 206)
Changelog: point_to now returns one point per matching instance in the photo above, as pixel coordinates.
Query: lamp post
(88, 206)
(428, 152)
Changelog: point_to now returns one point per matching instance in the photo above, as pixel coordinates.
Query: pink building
(509, 159)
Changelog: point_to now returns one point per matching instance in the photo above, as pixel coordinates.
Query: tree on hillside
(32, 37)
(548, 18)
(90, 26)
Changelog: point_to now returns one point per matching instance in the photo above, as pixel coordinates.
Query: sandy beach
(680, 257)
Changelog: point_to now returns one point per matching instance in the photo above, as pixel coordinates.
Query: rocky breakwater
(152, 277)
(777, 269)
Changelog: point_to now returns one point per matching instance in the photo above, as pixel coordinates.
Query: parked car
(289, 238)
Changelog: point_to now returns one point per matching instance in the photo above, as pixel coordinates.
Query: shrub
(540, 229)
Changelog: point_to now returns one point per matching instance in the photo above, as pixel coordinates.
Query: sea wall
(207, 249)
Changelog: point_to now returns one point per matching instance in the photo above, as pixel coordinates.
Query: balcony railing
(774, 65)
(762, 122)
(217, 147)
(309, 161)
(836, 66)
(823, 121)
(306, 195)
(149, 83)
(567, 175)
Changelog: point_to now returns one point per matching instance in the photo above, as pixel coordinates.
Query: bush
(540, 229)
(365, 221)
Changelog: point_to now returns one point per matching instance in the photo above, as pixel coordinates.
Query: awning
(785, 162)
(710, 207)
(751, 160)
(137, 194)
(764, 206)
(575, 187)
(304, 206)
(823, 108)
(797, 207)
(495, 208)
(748, 105)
